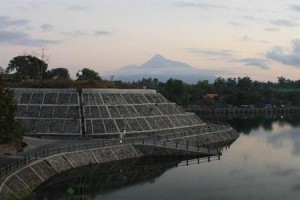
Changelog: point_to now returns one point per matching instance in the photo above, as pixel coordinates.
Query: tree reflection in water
(246, 123)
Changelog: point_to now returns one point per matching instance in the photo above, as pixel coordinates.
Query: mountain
(159, 61)
(163, 69)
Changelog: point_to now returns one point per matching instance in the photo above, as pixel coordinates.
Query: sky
(256, 38)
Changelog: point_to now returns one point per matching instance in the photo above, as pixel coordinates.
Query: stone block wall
(59, 163)
(34, 174)
(104, 155)
(208, 139)
(78, 159)
(163, 151)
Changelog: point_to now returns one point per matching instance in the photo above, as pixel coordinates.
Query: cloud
(79, 8)
(197, 5)
(47, 27)
(6, 22)
(246, 38)
(295, 7)
(287, 57)
(9, 34)
(257, 62)
(248, 17)
(81, 33)
(223, 53)
(272, 29)
(102, 33)
(235, 23)
(74, 33)
(20, 38)
(284, 23)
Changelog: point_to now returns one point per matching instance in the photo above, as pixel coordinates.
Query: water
(263, 163)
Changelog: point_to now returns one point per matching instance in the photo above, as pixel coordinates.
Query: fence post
(36, 155)
(164, 143)
(187, 145)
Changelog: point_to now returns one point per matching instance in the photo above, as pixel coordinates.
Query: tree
(27, 67)
(244, 83)
(281, 81)
(58, 73)
(220, 83)
(10, 129)
(175, 91)
(88, 74)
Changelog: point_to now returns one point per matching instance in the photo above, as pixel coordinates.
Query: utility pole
(43, 57)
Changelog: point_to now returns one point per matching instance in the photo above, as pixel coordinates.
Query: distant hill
(163, 69)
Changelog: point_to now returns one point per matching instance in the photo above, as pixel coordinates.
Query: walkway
(41, 148)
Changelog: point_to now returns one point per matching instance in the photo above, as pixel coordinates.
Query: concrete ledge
(143, 91)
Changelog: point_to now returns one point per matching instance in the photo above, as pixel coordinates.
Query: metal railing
(157, 140)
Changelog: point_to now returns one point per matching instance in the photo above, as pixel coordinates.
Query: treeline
(30, 71)
(233, 92)
(29, 67)
(223, 92)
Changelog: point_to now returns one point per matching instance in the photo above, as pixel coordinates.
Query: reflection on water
(103, 179)
(246, 123)
(263, 163)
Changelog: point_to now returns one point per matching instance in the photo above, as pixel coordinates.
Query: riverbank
(274, 110)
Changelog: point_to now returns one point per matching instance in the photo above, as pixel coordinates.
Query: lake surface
(263, 163)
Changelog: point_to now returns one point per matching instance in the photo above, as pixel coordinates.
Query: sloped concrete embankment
(35, 173)
(210, 140)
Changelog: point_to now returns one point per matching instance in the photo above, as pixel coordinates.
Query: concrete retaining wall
(163, 151)
(37, 172)
(34, 174)
(208, 139)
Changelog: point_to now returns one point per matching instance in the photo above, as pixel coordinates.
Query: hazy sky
(256, 38)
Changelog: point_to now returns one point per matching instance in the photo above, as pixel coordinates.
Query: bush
(10, 129)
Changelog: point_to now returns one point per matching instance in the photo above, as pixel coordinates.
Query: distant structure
(100, 112)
